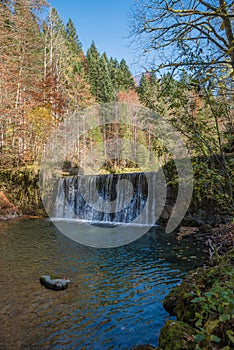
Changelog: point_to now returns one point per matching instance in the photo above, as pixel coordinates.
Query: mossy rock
(177, 335)
(194, 301)
(179, 301)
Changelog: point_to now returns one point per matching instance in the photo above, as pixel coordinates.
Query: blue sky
(104, 21)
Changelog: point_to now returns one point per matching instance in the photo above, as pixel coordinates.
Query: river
(114, 301)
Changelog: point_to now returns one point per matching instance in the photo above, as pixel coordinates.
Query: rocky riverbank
(204, 302)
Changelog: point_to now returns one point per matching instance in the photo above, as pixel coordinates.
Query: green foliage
(125, 78)
(45, 77)
(148, 90)
(56, 23)
(93, 59)
(210, 188)
(176, 335)
(215, 314)
(205, 301)
(114, 70)
(105, 91)
(22, 188)
(202, 118)
(107, 77)
(72, 37)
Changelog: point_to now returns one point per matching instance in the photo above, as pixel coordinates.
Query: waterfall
(112, 198)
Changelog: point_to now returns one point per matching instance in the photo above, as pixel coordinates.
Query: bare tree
(187, 33)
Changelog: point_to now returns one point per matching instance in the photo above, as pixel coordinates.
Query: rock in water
(55, 283)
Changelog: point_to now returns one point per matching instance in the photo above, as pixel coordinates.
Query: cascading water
(77, 198)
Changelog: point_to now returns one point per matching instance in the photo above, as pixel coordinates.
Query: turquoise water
(114, 302)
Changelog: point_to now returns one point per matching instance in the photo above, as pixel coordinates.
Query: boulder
(177, 335)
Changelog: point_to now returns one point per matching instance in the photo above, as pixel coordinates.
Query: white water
(121, 199)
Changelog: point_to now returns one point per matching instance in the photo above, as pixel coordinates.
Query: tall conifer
(125, 78)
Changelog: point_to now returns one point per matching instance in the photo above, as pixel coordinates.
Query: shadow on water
(114, 302)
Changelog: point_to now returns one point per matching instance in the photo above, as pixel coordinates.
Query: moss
(21, 186)
(205, 301)
(179, 301)
(177, 335)
(204, 306)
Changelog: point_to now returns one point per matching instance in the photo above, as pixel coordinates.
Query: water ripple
(114, 302)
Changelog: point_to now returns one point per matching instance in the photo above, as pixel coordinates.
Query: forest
(46, 77)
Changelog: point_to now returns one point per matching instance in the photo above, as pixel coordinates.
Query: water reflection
(114, 301)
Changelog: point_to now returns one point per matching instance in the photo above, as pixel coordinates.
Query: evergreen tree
(125, 78)
(55, 22)
(105, 58)
(147, 90)
(75, 54)
(54, 34)
(93, 60)
(107, 77)
(72, 37)
(114, 69)
(99, 75)
(105, 91)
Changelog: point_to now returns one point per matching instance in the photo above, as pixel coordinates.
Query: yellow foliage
(41, 120)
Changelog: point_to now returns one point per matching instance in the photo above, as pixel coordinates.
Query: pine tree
(93, 60)
(147, 90)
(72, 37)
(125, 78)
(99, 75)
(105, 58)
(105, 91)
(113, 69)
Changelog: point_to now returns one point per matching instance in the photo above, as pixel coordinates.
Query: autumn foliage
(45, 77)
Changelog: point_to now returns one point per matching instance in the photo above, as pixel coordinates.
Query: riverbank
(7, 209)
(203, 303)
